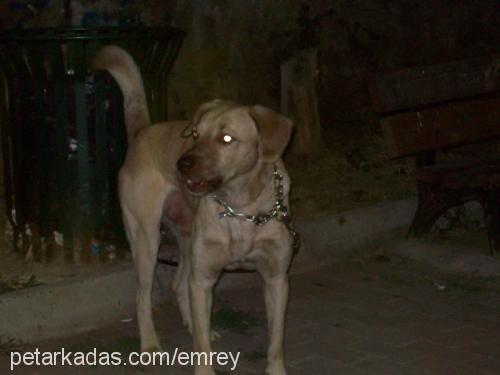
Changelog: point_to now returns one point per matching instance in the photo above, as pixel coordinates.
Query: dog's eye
(226, 139)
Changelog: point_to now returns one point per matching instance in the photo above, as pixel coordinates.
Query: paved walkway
(369, 314)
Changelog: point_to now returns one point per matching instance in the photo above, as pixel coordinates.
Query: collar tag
(190, 131)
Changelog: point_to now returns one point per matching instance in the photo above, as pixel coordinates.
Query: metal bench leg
(432, 203)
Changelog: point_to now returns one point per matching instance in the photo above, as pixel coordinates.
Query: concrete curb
(327, 238)
(82, 304)
(68, 307)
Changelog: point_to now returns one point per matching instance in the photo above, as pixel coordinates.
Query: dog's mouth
(200, 187)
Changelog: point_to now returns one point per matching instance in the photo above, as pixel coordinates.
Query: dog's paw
(151, 346)
(204, 370)
(189, 328)
(214, 335)
(152, 349)
(276, 368)
(187, 323)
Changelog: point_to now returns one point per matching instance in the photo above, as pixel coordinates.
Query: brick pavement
(365, 314)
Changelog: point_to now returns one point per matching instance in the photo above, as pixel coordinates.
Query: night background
(394, 168)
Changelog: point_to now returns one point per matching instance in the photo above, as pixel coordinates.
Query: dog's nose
(185, 163)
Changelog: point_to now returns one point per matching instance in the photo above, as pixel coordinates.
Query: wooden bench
(424, 110)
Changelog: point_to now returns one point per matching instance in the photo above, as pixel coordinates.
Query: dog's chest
(241, 239)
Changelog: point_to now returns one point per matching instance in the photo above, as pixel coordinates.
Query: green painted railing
(63, 136)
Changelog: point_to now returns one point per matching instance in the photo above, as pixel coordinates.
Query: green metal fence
(63, 136)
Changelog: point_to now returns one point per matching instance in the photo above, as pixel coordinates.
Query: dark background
(235, 47)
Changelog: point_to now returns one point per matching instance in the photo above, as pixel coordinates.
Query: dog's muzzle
(186, 166)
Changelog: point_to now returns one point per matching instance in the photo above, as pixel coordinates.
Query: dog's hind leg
(142, 223)
(145, 263)
(180, 285)
(178, 218)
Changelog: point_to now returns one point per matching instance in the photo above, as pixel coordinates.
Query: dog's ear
(274, 132)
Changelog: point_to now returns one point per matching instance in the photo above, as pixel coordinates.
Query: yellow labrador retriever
(220, 183)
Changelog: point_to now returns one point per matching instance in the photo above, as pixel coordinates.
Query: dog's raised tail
(126, 73)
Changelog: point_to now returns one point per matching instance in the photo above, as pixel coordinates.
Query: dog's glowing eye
(227, 138)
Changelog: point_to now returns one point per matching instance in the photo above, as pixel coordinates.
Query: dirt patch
(351, 170)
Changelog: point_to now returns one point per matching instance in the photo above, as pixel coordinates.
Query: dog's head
(230, 142)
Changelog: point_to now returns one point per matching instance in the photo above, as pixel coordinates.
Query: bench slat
(462, 175)
(451, 125)
(420, 86)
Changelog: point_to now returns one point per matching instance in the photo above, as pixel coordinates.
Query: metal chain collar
(279, 211)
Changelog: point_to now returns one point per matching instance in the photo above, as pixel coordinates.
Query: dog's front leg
(201, 295)
(276, 297)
